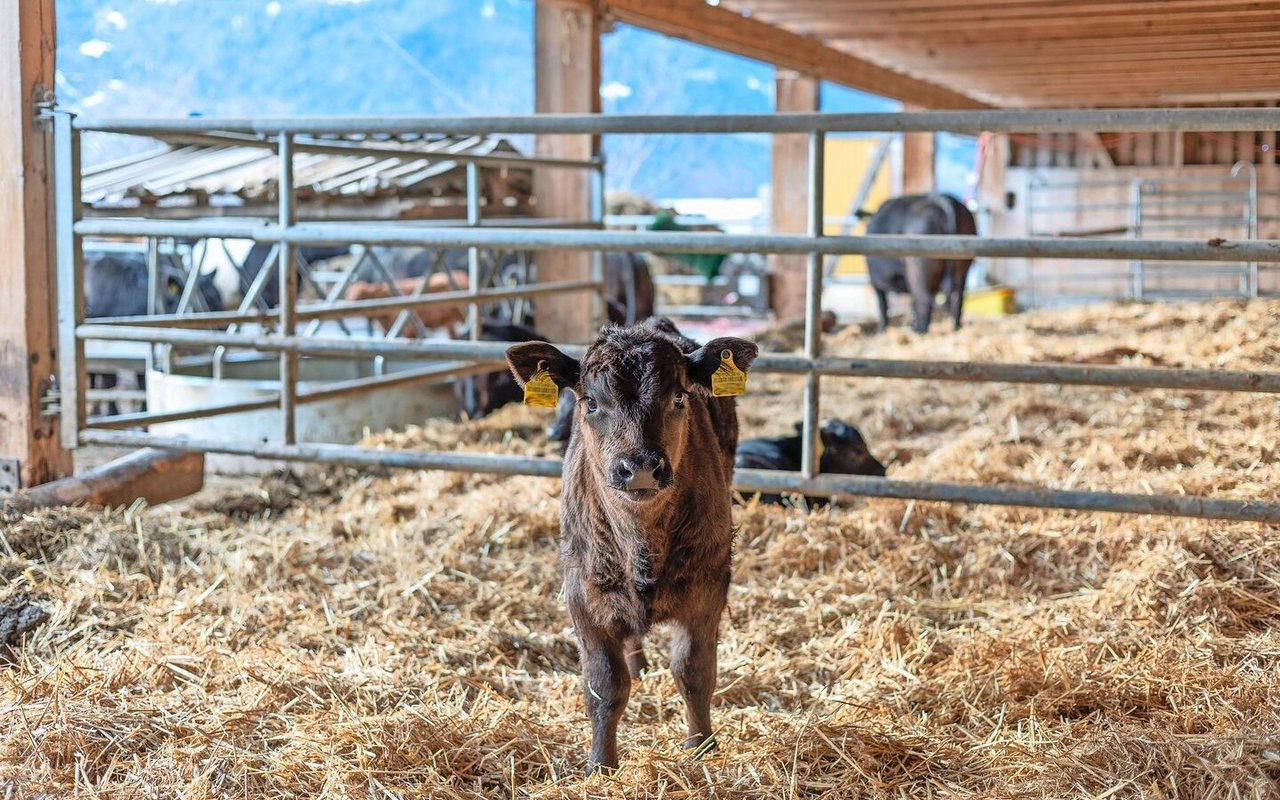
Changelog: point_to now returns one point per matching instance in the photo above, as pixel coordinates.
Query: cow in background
(921, 278)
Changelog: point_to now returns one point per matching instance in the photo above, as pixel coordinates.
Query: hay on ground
(344, 633)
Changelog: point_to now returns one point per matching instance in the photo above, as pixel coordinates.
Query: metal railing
(812, 365)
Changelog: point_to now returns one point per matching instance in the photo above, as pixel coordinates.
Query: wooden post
(790, 194)
(566, 80)
(917, 160)
(27, 327)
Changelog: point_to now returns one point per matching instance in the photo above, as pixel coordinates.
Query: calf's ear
(525, 357)
(702, 363)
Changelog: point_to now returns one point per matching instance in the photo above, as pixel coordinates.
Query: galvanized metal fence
(1144, 205)
(462, 357)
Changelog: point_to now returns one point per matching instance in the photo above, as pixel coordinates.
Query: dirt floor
(343, 633)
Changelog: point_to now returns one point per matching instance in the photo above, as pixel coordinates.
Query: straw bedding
(345, 633)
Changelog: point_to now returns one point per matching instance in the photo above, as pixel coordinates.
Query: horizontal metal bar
(696, 242)
(1066, 374)
(328, 392)
(1063, 374)
(1030, 497)
(973, 122)
(340, 454)
(744, 480)
(357, 149)
(349, 308)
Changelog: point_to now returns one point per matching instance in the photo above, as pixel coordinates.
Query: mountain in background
(395, 57)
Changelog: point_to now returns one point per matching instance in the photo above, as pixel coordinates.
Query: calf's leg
(607, 687)
(693, 664)
(636, 662)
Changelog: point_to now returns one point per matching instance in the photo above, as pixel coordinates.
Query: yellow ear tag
(821, 449)
(541, 391)
(728, 380)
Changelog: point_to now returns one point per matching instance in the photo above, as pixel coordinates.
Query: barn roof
(1004, 53)
(181, 178)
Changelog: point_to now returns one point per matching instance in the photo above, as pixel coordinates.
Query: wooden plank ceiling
(1053, 53)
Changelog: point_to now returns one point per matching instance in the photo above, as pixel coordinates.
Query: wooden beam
(789, 198)
(723, 29)
(918, 162)
(156, 476)
(566, 80)
(27, 327)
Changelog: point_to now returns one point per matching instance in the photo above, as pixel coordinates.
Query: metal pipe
(810, 450)
(962, 371)
(599, 303)
(287, 272)
(72, 376)
(744, 480)
(327, 392)
(1031, 497)
(974, 122)
(1135, 266)
(339, 310)
(949, 247)
(1250, 221)
(473, 253)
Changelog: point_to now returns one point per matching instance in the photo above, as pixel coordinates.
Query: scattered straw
(362, 634)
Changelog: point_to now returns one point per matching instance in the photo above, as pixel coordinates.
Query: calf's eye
(680, 399)
(591, 404)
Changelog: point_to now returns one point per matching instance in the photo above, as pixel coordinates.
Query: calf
(844, 452)
(441, 316)
(645, 532)
(920, 277)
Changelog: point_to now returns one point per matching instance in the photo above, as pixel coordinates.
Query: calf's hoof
(700, 745)
(596, 768)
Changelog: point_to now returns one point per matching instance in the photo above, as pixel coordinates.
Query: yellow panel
(847, 160)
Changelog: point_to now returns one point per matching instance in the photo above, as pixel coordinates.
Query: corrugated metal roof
(199, 174)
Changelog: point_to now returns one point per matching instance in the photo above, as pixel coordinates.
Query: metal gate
(280, 333)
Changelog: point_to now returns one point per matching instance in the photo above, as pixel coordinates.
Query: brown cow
(443, 316)
(645, 515)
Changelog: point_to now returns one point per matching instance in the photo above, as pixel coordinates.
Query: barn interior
(330, 630)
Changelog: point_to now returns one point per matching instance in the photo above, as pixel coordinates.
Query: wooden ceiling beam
(722, 29)
(896, 14)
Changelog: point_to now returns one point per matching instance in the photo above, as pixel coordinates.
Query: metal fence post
(599, 303)
(1250, 221)
(810, 451)
(72, 374)
(288, 295)
(1136, 267)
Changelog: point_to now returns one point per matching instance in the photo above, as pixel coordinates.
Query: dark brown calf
(645, 513)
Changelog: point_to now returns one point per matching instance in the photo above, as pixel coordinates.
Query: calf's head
(636, 393)
(845, 451)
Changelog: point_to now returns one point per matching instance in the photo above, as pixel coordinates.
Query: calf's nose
(636, 472)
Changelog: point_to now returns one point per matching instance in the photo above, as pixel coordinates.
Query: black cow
(628, 288)
(115, 285)
(844, 452)
(920, 277)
